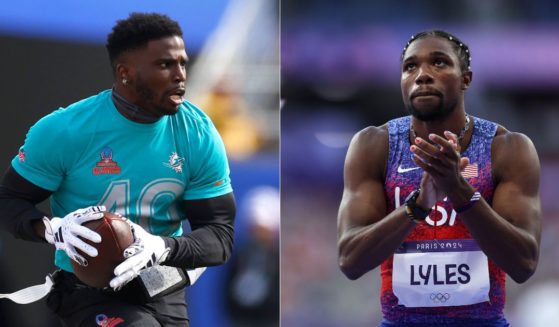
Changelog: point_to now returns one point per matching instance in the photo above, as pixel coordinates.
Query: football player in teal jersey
(141, 150)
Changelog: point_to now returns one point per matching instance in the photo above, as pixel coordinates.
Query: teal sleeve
(41, 158)
(208, 165)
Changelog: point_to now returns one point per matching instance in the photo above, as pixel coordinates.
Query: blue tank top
(402, 177)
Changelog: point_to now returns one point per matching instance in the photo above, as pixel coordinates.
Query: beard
(149, 102)
(431, 114)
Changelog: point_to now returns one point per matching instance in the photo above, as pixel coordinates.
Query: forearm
(18, 211)
(513, 249)
(211, 241)
(362, 249)
(21, 218)
(209, 245)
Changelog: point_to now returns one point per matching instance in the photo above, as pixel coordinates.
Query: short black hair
(137, 30)
(460, 48)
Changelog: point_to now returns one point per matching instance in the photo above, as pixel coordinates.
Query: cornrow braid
(461, 49)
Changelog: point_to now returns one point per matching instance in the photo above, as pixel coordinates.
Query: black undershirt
(132, 111)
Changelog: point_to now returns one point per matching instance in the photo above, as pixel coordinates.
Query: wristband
(414, 212)
(473, 200)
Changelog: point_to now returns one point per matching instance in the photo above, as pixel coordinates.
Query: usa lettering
(448, 274)
(444, 213)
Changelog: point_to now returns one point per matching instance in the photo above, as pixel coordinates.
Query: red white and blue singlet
(439, 274)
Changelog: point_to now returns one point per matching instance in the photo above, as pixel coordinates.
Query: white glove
(146, 251)
(64, 232)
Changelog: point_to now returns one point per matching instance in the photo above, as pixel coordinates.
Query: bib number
(440, 273)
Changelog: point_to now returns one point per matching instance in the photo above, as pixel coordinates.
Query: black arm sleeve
(18, 198)
(211, 241)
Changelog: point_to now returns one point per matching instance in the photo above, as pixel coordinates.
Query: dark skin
(155, 76)
(155, 81)
(508, 231)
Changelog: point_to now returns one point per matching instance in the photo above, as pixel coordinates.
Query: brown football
(116, 236)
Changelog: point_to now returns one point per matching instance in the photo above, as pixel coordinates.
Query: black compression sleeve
(18, 198)
(211, 241)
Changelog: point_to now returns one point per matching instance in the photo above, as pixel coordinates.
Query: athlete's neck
(455, 123)
(132, 111)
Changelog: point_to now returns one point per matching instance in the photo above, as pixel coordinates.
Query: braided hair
(461, 49)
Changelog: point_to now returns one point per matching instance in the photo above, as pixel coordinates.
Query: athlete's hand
(64, 232)
(430, 194)
(146, 251)
(441, 159)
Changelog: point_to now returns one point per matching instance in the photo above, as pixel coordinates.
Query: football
(116, 236)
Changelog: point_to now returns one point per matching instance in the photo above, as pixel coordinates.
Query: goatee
(435, 114)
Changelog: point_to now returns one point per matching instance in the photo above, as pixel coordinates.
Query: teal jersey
(89, 154)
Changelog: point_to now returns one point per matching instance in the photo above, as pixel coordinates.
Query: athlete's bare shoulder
(507, 142)
(369, 149)
(371, 137)
(511, 151)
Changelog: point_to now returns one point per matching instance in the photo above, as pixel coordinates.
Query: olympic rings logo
(440, 297)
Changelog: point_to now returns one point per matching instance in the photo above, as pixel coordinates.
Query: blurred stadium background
(53, 55)
(340, 73)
